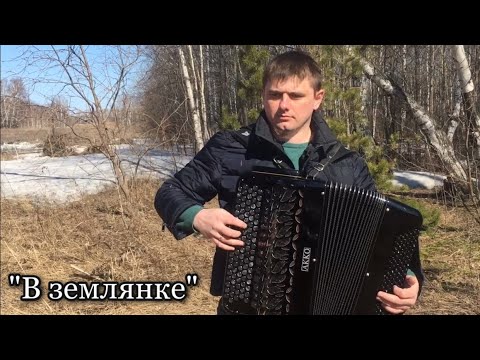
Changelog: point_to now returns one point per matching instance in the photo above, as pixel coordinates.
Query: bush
(229, 121)
(379, 166)
(55, 146)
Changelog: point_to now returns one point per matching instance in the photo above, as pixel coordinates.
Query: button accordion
(319, 248)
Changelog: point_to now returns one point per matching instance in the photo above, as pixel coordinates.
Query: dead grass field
(90, 235)
(451, 260)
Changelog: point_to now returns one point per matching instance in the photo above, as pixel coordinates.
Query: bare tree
(14, 101)
(96, 80)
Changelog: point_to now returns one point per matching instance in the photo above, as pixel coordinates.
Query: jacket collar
(322, 135)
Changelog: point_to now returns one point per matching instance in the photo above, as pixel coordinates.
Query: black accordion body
(316, 247)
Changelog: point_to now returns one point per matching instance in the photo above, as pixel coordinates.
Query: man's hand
(212, 223)
(402, 299)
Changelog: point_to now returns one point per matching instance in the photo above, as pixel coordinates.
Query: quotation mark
(14, 279)
(192, 279)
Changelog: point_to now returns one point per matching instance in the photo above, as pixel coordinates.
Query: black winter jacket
(217, 167)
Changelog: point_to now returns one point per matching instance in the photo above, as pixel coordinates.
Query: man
(289, 133)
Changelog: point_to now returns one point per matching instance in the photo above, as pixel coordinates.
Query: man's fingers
(219, 238)
(393, 310)
(231, 242)
(411, 280)
(227, 244)
(232, 220)
(223, 246)
(407, 293)
(393, 300)
(227, 232)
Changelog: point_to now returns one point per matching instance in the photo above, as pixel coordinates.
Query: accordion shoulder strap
(332, 155)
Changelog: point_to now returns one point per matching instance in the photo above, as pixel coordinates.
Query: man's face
(289, 104)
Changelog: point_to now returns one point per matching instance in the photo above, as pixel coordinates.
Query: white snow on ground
(20, 147)
(65, 179)
(68, 178)
(418, 179)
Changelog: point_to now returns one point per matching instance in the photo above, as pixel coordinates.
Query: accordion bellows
(316, 248)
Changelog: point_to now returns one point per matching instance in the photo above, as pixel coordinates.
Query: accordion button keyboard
(240, 278)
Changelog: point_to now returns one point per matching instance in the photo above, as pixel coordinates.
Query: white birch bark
(453, 124)
(437, 139)
(197, 127)
(203, 105)
(466, 84)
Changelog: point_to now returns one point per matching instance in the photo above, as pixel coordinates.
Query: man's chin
(282, 131)
(282, 126)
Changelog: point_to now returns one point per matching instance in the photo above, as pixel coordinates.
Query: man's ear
(318, 98)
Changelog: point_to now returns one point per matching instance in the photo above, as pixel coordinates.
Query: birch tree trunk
(203, 106)
(466, 84)
(437, 139)
(403, 115)
(197, 126)
(453, 124)
(195, 78)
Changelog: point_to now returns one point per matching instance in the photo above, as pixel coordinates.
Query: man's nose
(285, 101)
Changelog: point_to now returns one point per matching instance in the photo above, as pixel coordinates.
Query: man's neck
(301, 136)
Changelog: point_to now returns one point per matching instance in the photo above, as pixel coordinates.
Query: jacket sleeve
(362, 177)
(195, 184)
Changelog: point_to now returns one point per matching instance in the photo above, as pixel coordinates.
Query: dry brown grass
(451, 260)
(6, 156)
(90, 235)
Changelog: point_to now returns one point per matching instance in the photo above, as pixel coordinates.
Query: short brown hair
(290, 64)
